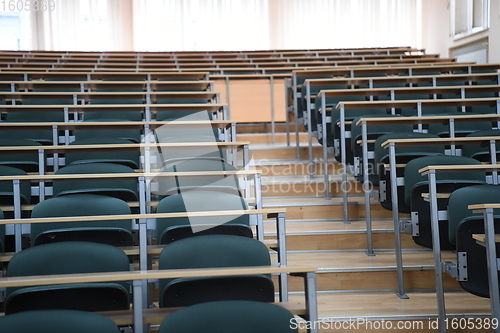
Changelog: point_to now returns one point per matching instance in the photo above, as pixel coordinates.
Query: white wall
(436, 30)
(494, 41)
(435, 27)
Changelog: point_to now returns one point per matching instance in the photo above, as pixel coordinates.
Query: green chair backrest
(27, 162)
(2, 234)
(376, 129)
(57, 321)
(113, 115)
(353, 114)
(200, 200)
(462, 198)
(229, 317)
(211, 251)
(428, 110)
(128, 134)
(45, 136)
(193, 115)
(478, 150)
(128, 158)
(68, 258)
(122, 188)
(381, 153)
(181, 101)
(413, 178)
(461, 128)
(7, 188)
(177, 184)
(80, 205)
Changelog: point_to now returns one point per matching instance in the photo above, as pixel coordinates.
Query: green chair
(446, 182)
(429, 110)
(128, 158)
(461, 128)
(116, 233)
(373, 132)
(57, 321)
(2, 234)
(113, 115)
(7, 190)
(125, 189)
(349, 115)
(404, 154)
(463, 223)
(69, 258)
(172, 229)
(28, 162)
(124, 134)
(169, 154)
(334, 114)
(181, 101)
(229, 317)
(313, 90)
(210, 251)
(175, 115)
(42, 136)
(174, 185)
(481, 151)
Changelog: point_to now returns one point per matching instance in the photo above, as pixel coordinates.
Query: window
(469, 16)
(10, 25)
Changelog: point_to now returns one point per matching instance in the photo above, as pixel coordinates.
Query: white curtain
(83, 25)
(348, 23)
(177, 25)
(196, 25)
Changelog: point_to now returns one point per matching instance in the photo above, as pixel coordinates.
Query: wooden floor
(352, 285)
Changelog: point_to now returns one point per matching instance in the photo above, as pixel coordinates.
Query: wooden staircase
(356, 292)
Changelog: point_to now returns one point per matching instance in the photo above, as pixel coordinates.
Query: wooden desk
(489, 240)
(143, 193)
(481, 238)
(148, 97)
(415, 79)
(142, 219)
(139, 277)
(94, 85)
(101, 75)
(147, 109)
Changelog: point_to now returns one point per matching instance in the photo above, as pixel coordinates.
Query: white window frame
(470, 17)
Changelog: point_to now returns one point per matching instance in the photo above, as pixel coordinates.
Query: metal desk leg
(18, 237)
(343, 165)
(311, 300)
(258, 205)
(273, 125)
(143, 245)
(309, 131)
(395, 215)
(282, 255)
(139, 326)
(366, 189)
(41, 171)
(325, 149)
(55, 139)
(489, 229)
(436, 248)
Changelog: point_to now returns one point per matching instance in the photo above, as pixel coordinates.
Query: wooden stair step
(354, 270)
(327, 226)
(319, 208)
(293, 167)
(378, 306)
(282, 151)
(279, 137)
